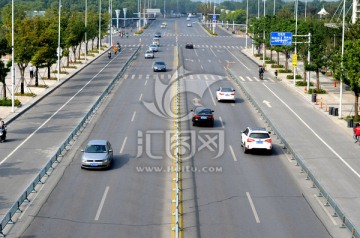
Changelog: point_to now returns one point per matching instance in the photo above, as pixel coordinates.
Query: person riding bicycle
(357, 132)
(261, 71)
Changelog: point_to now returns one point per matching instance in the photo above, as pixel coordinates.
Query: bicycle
(356, 138)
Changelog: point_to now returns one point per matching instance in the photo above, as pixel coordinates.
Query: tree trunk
(79, 52)
(48, 70)
(4, 89)
(36, 76)
(22, 68)
(356, 118)
(317, 79)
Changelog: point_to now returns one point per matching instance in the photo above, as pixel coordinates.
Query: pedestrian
(3, 130)
(31, 70)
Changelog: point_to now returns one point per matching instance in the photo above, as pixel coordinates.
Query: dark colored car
(189, 46)
(203, 115)
(159, 66)
(157, 34)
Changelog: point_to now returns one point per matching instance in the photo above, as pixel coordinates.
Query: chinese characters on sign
(281, 38)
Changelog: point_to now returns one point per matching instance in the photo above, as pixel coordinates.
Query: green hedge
(285, 71)
(303, 83)
(313, 90)
(277, 66)
(290, 76)
(7, 102)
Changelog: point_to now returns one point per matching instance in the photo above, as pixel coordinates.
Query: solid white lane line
(221, 122)
(238, 59)
(133, 117)
(140, 97)
(57, 111)
(303, 122)
(325, 210)
(202, 67)
(212, 96)
(101, 203)
(213, 52)
(145, 82)
(232, 153)
(196, 54)
(253, 208)
(123, 145)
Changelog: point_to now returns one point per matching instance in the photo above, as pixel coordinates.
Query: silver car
(97, 154)
(153, 47)
(149, 54)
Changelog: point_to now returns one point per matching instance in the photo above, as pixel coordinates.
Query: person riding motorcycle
(2, 132)
(261, 71)
(357, 132)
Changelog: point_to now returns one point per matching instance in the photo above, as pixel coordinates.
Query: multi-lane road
(226, 193)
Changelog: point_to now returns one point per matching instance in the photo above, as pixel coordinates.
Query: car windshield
(148, 51)
(203, 112)
(160, 63)
(227, 90)
(95, 149)
(259, 135)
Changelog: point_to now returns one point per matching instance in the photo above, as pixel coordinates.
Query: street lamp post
(124, 10)
(117, 12)
(110, 11)
(12, 58)
(86, 45)
(247, 18)
(264, 48)
(59, 48)
(342, 59)
(99, 26)
(295, 51)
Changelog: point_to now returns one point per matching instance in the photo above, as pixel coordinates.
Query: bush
(285, 71)
(26, 94)
(313, 90)
(303, 83)
(7, 102)
(270, 62)
(277, 66)
(139, 32)
(290, 76)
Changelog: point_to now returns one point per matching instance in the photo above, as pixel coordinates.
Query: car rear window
(227, 90)
(204, 112)
(259, 135)
(95, 149)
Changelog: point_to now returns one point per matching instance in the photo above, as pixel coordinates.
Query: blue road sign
(214, 17)
(281, 38)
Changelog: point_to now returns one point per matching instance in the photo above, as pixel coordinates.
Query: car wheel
(246, 150)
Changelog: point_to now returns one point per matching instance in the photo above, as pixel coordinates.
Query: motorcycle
(2, 135)
(109, 55)
(261, 76)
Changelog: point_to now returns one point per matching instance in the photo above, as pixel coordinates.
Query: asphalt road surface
(226, 193)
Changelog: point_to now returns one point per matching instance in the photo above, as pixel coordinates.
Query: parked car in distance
(98, 154)
(225, 94)
(189, 25)
(157, 34)
(256, 138)
(159, 66)
(153, 47)
(203, 116)
(149, 54)
(189, 46)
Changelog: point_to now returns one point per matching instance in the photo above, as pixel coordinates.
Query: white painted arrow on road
(267, 103)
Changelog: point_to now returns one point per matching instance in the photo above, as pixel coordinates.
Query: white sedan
(225, 94)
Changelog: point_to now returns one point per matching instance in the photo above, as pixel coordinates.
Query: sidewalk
(46, 86)
(324, 101)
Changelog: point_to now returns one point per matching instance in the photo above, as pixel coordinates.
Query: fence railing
(310, 175)
(7, 219)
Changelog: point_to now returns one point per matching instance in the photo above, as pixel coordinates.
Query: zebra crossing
(195, 46)
(205, 77)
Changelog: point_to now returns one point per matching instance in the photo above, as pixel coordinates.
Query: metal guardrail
(322, 191)
(7, 219)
